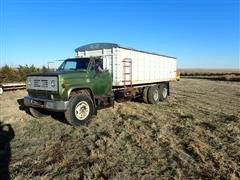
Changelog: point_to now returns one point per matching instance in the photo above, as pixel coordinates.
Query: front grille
(36, 83)
(42, 83)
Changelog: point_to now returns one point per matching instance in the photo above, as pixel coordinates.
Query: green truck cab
(77, 88)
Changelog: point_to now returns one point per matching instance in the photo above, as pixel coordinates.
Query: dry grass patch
(193, 135)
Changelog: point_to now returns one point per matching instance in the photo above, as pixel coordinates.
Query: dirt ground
(195, 134)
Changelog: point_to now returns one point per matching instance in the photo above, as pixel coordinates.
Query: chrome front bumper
(53, 105)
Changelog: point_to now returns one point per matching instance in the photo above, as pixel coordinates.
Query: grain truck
(100, 74)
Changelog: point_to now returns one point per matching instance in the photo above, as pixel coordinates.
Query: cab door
(101, 79)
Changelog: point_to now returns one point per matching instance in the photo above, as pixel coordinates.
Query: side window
(99, 62)
(98, 66)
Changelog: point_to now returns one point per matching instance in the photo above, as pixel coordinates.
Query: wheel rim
(82, 110)
(164, 92)
(155, 95)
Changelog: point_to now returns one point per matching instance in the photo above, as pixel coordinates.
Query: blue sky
(201, 34)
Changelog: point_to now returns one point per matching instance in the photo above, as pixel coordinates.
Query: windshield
(74, 64)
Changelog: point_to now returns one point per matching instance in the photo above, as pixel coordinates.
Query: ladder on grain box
(127, 76)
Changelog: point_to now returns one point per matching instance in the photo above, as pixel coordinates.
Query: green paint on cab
(74, 74)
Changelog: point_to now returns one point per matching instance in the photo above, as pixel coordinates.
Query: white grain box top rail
(146, 68)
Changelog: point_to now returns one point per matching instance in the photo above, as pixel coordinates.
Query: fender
(68, 90)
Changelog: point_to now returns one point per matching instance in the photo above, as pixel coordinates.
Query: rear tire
(153, 95)
(38, 112)
(145, 95)
(1, 90)
(163, 92)
(79, 110)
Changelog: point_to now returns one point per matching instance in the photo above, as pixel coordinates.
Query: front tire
(79, 110)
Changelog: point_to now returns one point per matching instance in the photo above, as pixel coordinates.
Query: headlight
(53, 83)
(29, 83)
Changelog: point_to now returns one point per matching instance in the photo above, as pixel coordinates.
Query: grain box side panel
(146, 68)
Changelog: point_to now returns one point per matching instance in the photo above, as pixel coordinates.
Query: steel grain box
(145, 67)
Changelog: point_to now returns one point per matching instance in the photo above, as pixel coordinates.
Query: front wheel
(80, 110)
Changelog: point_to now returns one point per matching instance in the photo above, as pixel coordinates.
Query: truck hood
(56, 73)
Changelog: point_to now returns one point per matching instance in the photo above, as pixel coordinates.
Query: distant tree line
(208, 73)
(18, 74)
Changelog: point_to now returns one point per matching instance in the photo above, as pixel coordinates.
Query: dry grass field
(212, 74)
(195, 134)
(209, 71)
